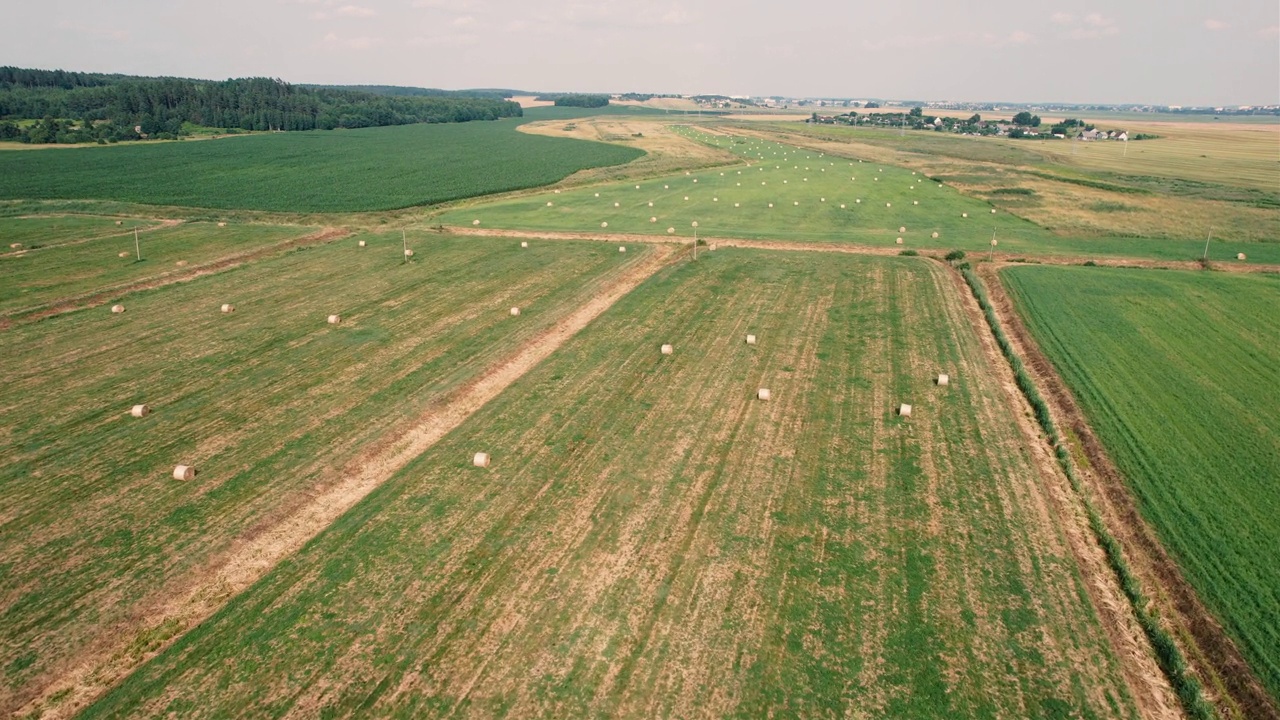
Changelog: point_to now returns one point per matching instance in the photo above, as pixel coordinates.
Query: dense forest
(576, 100)
(87, 107)
(403, 91)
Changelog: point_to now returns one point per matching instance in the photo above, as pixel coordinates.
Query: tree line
(581, 100)
(86, 107)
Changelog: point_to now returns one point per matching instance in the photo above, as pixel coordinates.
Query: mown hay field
(269, 403)
(37, 278)
(653, 541)
(321, 171)
(815, 197)
(1179, 374)
(35, 232)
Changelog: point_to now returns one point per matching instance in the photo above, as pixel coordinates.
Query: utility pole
(404, 256)
(1206, 244)
(695, 240)
(137, 248)
(992, 254)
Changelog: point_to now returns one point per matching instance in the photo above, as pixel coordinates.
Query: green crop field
(322, 171)
(1179, 373)
(269, 402)
(817, 198)
(36, 278)
(653, 541)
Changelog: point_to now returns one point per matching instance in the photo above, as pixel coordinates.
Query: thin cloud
(1061, 18)
(350, 11)
(1270, 32)
(363, 42)
(1212, 24)
(1091, 26)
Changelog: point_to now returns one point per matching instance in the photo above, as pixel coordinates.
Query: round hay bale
(899, 241)
(408, 252)
(888, 204)
(994, 242)
(943, 379)
(751, 339)
(622, 248)
(902, 229)
(671, 231)
(822, 199)
(123, 254)
(184, 472)
(735, 204)
(222, 224)
(667, 349)
(480, 460)
(515, 311)
(617, 205)
(770, 204)
(597, 194)
(117, 309)
(604, 224)
(935, 235)
(549, 203)
(993, 211)
(715, 199)
(140, 411)
(666, 187)
(181, 263)
(858, 201)
(1240, 256)
(795, 202)
(524, 243)
(650, 203)
(557, 192)
(335, 319)
(363, 243)
(904, 410)
(842, 206)
(228, 308)
(964, 215)
(119, 222)
(686, 197)
(695, 180)
(763, 394)
(915, 202)
(638, 187)
(653, 219)
(475, 222)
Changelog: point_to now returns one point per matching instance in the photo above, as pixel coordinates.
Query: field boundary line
(1214, 656)
(253, 556)
(857, 249)
(102, 296)
(1152, 693)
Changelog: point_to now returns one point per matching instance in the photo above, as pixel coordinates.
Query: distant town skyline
(1185, 53)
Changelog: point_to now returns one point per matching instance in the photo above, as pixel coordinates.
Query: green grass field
(1179, 374)
(653, 541)
(60, 272)
(322, 171)
(814, 198)
(35, 232)
(269, 402)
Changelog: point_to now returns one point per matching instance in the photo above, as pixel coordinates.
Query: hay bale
(515, 311)
(123, 254)
(667, 349)
(904, 410)
(475, 222)
(653, 219)
(858, 201)
(480, 460)
(650, 203)
(993, 211)
(888, 204)
(935, 235)
(770, 204)
(902, 229)
(557, 192)
(335, 319)
(597, 194)
(686, 197)
(841, 206)
(735, 204)
(899, 241)
(915, 202)
(408, 252)
(604, 224)
(671, 231)
(617, 205)
(763, 394)
(181, 263)
(140, 411)
(524, 243)
(1240, 256)
(363, 243)
(228, 308)
(751, 339)
(622, 248)
(184, 472)
(119, 222)
(222, 224)
(943, 379)
(117, 309)
(964, 215)
(549, 203)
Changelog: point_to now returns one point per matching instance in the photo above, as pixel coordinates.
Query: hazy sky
(1172, 52)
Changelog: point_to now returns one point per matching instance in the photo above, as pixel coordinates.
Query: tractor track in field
(1212, 654)
(858, 249)
(106, 295)
(109, 659)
